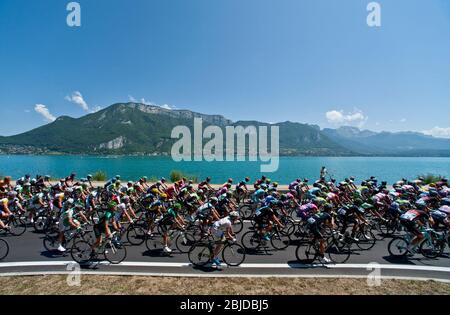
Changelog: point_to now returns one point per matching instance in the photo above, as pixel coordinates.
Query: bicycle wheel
(431, 248)
(51, 243)
(233, 254)
(251, 241)
(81, 252)
(17, 226)
(154, 243)
(238, 226)
(366, 240)
(306, 253)
(4, 249)
(377, 231)
(398, 247)
(39, 224)
(289, 227)
(200, 254)
(339, 253)
(184, 242)
(115, 252)
(279, 240)
(136, 235)
(245, 212)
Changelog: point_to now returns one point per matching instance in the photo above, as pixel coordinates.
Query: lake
(390, 169)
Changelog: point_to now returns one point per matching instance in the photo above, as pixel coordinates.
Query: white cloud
(438, 132)
(132, 99)
(43, 110)
(78, 99)
(340, 118)
(403, 120)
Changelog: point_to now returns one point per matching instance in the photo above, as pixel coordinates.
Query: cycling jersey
(413, 215)
(258, 195)
(204, 210)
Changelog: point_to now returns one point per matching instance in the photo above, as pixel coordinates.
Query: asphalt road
(28, 256)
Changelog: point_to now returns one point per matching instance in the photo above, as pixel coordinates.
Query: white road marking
(243, 266)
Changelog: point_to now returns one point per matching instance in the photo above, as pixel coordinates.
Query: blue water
(385, 168)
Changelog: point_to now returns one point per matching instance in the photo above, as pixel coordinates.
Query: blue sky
(267, 60)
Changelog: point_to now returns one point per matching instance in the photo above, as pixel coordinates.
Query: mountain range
(139, 129)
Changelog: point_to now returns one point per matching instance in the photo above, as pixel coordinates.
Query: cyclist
(102, 227)
(222, 230)
(67, 222)
(171, 220)
(315, 224)
(412, 219)
(265, 216)
(4, 211)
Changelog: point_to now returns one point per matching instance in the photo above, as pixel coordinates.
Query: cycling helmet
(421, 204)
(366, 206)
(112, 205)
(247, 179)
(70, 201)
(33, 181)
(89, 177)
(433, 193)
(327, 207)
(283, 197)
(208, 179)
(230, 180)
(177, 206)
(46, 177)
(234, 214)
(163, 196)
(263, 186)
(213, 200)
(358, 202)
(200, 192)
(12, 194)
(163, 180)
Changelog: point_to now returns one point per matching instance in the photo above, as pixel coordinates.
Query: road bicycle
(4, 249)
(255, 241)
(15, 225)
(183, 239)
(336, 248)
(201, 253)
(430, 246)
(111, 249)
(51, 242)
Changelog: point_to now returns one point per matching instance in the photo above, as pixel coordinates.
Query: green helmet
(112, 205)
(177, 206)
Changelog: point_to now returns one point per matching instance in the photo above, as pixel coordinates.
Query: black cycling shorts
(314, 229)
(99, 229)
(410, 226)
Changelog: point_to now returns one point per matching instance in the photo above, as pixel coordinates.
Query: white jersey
(222, 224)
